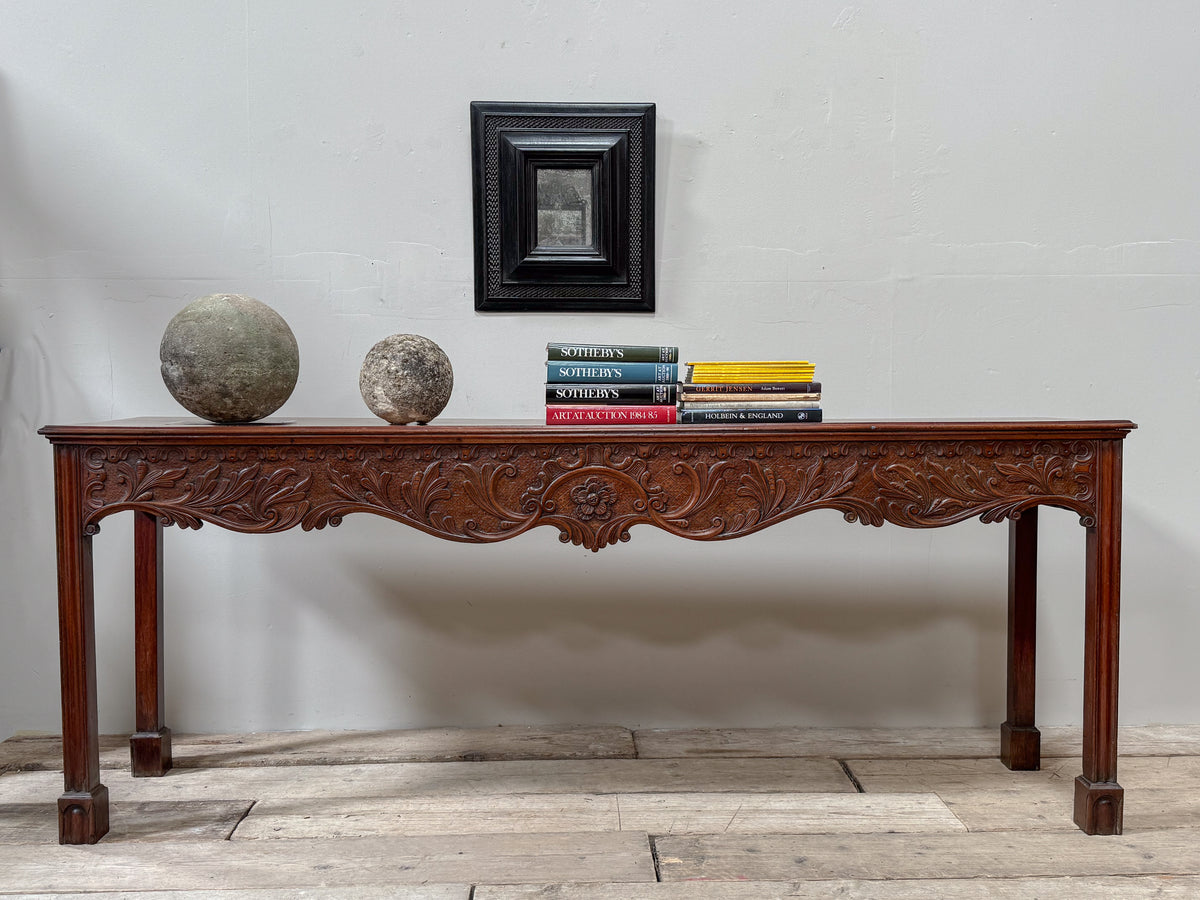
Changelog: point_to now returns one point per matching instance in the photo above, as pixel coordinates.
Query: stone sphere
(406, 378)
(229, 359)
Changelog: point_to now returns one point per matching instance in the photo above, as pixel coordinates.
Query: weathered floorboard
(515, 814)
(599, 776)
(458, 859)
(1126, 888)
(1132, 740)
(290, 748)
(1049, 809)
(785, 813)
(897, 775)
(896, 743)
(1137, 773)
(990, 855)
(38, 752)
(160, 820)
(707, 813)
(988, 797)
(345, 892)
(836, 743)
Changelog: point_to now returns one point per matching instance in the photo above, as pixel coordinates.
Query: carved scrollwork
(938, 489)
(184, 489)
(422, 496)
(593, 493)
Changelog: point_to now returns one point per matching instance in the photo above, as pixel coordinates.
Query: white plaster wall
(955, 209)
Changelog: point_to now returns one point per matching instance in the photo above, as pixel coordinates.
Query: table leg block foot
(83, 817)
(1099, 806)
(150, 753)
(1021, 747)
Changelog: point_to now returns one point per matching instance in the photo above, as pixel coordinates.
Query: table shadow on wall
(662, 629)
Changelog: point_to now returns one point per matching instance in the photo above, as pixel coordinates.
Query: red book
(558, 414)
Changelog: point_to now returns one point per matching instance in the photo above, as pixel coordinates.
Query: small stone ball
(406, 378)
(229, 359)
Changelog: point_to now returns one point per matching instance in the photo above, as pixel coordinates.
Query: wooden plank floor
(605, 813)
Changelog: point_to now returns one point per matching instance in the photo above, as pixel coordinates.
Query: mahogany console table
(478, 483)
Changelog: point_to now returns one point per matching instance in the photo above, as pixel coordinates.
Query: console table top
(287, 429)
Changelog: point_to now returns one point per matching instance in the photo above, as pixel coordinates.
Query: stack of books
(766, 392)
(611, 384)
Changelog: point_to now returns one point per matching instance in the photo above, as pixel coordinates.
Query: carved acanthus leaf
(933, 492)
(243, 499)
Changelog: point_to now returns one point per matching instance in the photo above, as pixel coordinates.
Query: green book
(559, 352)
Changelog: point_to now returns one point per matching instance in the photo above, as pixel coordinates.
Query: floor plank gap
(845, 764)
(233, 830)
(654, 857)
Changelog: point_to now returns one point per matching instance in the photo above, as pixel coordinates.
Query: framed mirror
(564, 207)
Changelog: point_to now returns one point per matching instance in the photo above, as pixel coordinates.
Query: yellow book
(745, 366)
(749, 379)
(752, 362)
(754, 369)
(751, 371)
(713, 366)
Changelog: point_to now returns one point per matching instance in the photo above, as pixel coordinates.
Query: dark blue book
(611, 373)
(735, 416)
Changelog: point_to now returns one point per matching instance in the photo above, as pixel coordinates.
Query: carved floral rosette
(592, 493)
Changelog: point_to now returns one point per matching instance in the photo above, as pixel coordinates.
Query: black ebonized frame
(510, 142)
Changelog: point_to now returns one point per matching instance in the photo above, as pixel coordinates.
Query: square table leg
(1020, 740)
(150, 745)
(83, 806)
(1099, 800)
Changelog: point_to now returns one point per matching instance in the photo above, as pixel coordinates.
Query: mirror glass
(565, 199)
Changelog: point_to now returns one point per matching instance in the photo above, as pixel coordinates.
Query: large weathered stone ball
(229, 359)
(406, 378)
